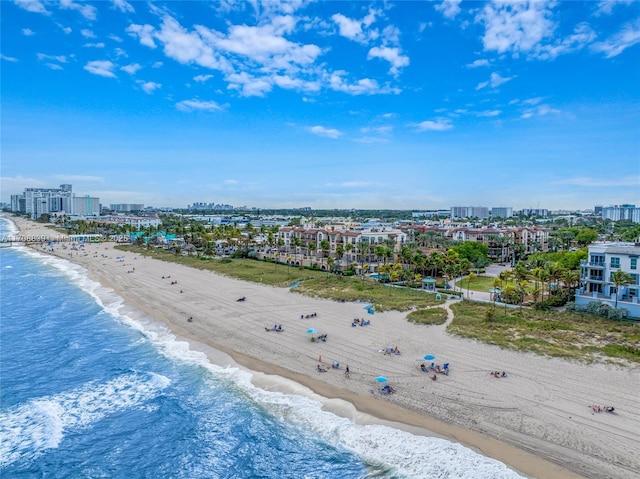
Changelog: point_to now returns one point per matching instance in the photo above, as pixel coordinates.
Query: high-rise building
(502, 212)
(621, 212)
(39, 201)
(126, 207)
(480, 212)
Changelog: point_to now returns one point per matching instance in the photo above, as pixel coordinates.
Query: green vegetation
(481, 283)
(558, 334)
(246, 269)
(428, 316)
(383, 298)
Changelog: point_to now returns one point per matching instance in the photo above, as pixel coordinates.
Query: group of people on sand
(360, 322)
(317, 339)
(307, 316)
(386, 389)
(444, 369)
(498, 374)
(597, 408)
(389, 351)
(276, 327)
(335, 365)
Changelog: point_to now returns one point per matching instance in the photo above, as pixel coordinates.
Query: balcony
(596, 279)
(592, 264)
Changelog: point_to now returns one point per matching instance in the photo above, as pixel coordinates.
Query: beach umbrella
(381, 379)
(429, 357)
(311, 330)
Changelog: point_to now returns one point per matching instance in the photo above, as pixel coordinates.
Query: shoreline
(270, 365)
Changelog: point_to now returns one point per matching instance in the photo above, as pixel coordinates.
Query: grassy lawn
(246, 269)
(557, 334)
(428, 316)
(383, 298)
(482, 283)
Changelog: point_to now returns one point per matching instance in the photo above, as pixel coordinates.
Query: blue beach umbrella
(311, 330)
(381, 379)
(429, 357)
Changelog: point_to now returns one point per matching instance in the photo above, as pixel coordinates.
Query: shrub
(543, 305)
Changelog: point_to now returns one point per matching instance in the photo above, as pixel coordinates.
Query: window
(615, 262)
(634, 263)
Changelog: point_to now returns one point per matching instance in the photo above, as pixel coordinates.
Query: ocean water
(89, 389)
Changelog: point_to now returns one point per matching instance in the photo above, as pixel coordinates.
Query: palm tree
(330, 262)
(507, 292)
(621, 278)
(472, 278)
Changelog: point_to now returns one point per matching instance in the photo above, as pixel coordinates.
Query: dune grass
(431, 316)
(558, 334)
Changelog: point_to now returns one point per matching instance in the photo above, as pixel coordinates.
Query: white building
(621, 212)
(126, 207)
(480, 212)
(502, 212)
(596, 276)
(86, 205)
(135, 221)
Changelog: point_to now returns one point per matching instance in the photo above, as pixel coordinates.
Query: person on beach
(347, 373)
(321, 369)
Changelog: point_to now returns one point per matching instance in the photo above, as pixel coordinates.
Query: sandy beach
(538, 419)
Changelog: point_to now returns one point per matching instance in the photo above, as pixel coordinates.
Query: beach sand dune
(537, 419)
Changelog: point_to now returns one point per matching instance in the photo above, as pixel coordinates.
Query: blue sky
(409, 105)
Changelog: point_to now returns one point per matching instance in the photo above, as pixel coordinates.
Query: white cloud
(440, 124)
(115, 38)
(34, 6)
(619, 42)
(381, 130)
(27, 32)
(17, 184)
(144, 34)
(131, 69)
(488, 113)
(605, 7)
(582, 35)
(56, 58)
(54, 66)
(365, 86)
(87, 11)
(102, 68)
(248, 85)
(392, 55)
(516, 26)
(148, 86)
(85, 32)
(198, 105)
(357, 30)
(8, 58)
(123, 6)
(540, 110)
(66, 30)
(157, 64)
(479, 63)
(230, 182)
(326, 132)
(94, 45)
(494, 81)
(448, 8)
(348, 28)
(202, 78)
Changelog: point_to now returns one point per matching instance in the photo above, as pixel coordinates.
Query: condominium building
(596, 276)
(480, 212)
(126, 207)
(40, 201)
(502, 212)
(621, 212)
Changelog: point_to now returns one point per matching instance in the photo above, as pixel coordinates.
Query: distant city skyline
(365, 105)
